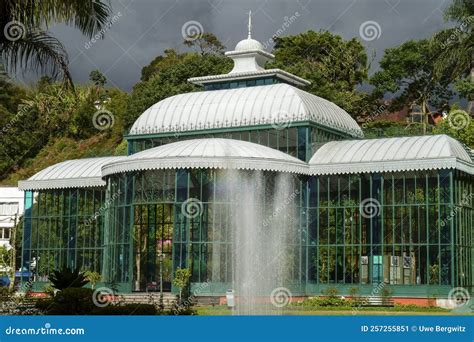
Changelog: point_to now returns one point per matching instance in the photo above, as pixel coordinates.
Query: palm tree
(25, 41)
(457, 44)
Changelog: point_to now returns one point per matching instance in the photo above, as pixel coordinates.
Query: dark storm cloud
(143, 29)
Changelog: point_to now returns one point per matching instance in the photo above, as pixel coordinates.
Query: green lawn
(221, 310)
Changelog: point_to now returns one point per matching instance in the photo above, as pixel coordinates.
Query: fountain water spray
(264, 221)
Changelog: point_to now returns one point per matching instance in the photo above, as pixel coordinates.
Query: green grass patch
(299, 310)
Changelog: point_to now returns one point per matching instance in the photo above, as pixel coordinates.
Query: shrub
(49, 290)
(67, 278)
(44, 304)
(325, 302)
(126, 309)
(330, 292)
(386, 292)
(353, 291)
(6, 294)
(72, 301)
(93, 278)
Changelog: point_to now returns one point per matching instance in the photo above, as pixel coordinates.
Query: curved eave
(392, 166)
(231, 163)
(65, 183)
(284, 75)
(250, 51)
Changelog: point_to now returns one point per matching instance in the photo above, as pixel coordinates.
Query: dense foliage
(334, 66)
(408, 76)
(52, 122)
(167, 76)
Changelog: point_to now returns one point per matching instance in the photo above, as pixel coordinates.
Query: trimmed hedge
(72, 301)
(317, 302)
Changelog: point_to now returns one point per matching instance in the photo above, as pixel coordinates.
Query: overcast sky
(143, 29)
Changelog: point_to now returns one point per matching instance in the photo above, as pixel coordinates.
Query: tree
(205, 44)
(26, 43)
(456, 55)
(408, 75)
(170, 77)
(333, 65)
(181, 281)
(5, 261)
(98, 78)
(10, 93)
(168, 59)
(462, 130)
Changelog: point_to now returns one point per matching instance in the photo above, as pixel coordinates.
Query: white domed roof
(213, 153)
(276, 105)
(249, 44)
(391, 155)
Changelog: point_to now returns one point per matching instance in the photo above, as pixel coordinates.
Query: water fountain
(263, 237)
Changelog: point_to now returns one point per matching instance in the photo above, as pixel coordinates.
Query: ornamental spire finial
(250, 25)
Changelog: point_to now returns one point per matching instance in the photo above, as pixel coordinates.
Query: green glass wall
(300, 141)
(118, 237)
(411, 230)
(63, 228)
(180, 218)
(396, 228)
(461, 223)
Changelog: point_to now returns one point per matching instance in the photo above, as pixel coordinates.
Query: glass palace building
(205, 166)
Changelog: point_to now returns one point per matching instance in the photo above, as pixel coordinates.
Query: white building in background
(11, 207)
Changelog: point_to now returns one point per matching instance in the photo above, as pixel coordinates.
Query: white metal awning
(77, 173)
(212, 153)
(391, 155)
